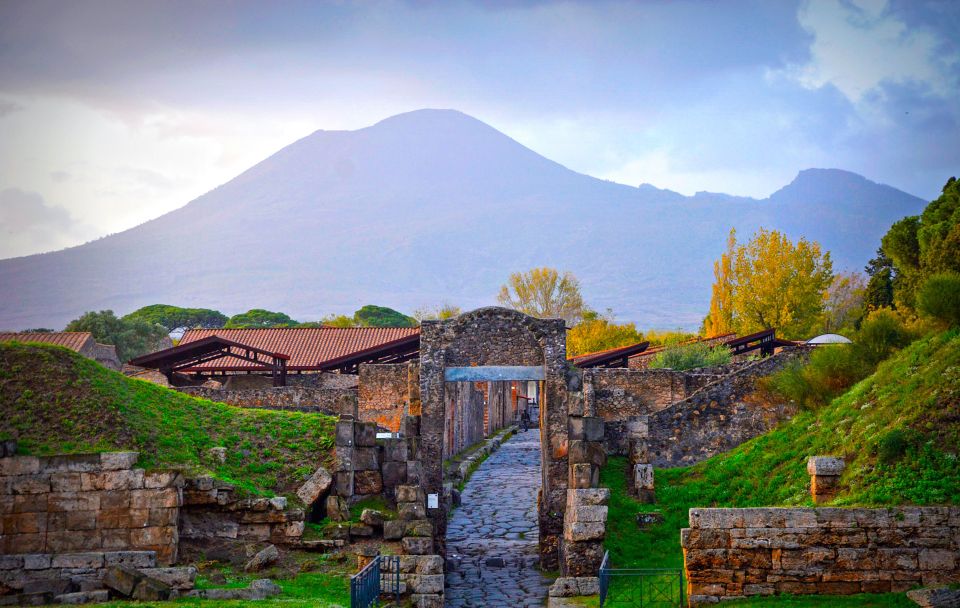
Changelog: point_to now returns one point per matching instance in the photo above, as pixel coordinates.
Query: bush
(892, 446)
(881, 333)
(690, 356)
(940, 298)
(832, 369)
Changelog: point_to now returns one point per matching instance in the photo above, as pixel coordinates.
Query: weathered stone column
(825, 474)
(643, 482)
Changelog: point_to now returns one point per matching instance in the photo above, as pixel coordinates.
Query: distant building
(80, 342)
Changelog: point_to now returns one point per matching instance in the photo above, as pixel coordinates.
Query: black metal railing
(380, 576)
(640, 587)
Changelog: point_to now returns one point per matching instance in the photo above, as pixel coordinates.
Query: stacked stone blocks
(825, 474)
(211, 509)
(731, 553)
(585, 514)
(87, 502)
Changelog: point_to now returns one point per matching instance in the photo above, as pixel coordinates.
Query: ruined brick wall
(88, 502)
(384, 394)
(718, 417)
(331, 401)
(622, 395)
(465, 414)
(746, 552)
(323, 380)
(212, 510)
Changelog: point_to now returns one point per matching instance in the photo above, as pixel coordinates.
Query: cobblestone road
(492, 538)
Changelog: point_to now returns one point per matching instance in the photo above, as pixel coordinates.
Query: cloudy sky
(112, 113)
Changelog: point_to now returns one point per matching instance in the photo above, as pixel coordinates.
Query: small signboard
(433, 501)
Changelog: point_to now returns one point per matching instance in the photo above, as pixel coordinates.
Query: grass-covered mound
(898, 430)
(54, 401)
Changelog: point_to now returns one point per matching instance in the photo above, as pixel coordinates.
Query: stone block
(83, 597)
(414, 472)
(151, 590)
(584, 476)
(69, 462)
(262, 559)
(163, 479)
(942, 597)
(316, 486)
(426, 600)
(344, 483)
(394, 474)
(410, 493)
(114, 461)
(643, 476)
(344, 433)
(587, 513)
(121, 579)
(36, 561)
(361, 530)
(564, 586)
(937, 559)
(29, 484)
(70, 541)
(16, 562)
(825, 465)
(125, 479)
(586, 428)
(411, 510)
(365, 459)
(587, 496)
(67, 481)
(581, 451)
(372, 518)
(583, 531)
(395, 450)
(394, 530)
(367, 482)
(417, 545)
(429, 564)
(337, 509)
(425, 583)
(365, 434)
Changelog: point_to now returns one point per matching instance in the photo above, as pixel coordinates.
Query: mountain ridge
(431, 206)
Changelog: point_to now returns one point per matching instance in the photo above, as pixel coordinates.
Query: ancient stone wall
(716, 418)
(384, 394)
(621, 395)
(212, 510)
(732, 553)
(465, 413)
(88, 502)
(331, 401)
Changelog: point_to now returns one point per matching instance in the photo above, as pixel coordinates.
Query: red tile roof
(307, 347)
(74, 340)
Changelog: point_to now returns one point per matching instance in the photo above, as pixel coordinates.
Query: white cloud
(858, 46)
(29, 224)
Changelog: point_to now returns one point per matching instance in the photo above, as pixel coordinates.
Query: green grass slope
(55, 401)
(899, 431)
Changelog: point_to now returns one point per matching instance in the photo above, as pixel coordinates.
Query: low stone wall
(420, 575)
(87, 502)
(732, 553)
(716, 418)
(332, 401)
(211, 510)
(43, 576)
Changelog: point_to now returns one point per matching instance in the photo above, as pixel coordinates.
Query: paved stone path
(492, 537)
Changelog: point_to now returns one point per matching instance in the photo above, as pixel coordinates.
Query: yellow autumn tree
(544, 293)
(773, 283)
(720, 319)
(598, 332)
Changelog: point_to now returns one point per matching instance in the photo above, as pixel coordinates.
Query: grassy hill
(899, 431)
(55, 401)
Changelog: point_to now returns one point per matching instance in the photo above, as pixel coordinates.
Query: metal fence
(380, 577)
(640, 587)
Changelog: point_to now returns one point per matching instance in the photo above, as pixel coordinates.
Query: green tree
(177, 319)
(879, 292)
(544, 293)
(939, 298)
(381, 316)
(131, 337)
(774, 283)
(338, 321)
(597, 332)
(924, 245)
(259, 318)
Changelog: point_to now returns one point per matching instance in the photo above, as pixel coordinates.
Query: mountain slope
(426, 207)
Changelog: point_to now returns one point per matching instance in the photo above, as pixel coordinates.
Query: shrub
(690, 356)
(940, 298)
(881, 333)
(832, 369)
(892, 446)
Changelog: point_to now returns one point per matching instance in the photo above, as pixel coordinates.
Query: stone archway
(502, 344)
